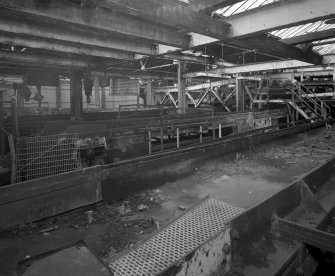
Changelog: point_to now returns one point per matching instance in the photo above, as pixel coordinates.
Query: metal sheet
(176, 240)
(73, 260)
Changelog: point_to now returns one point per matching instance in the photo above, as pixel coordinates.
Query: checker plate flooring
(176, 240)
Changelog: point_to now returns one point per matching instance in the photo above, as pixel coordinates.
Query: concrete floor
(242, 180)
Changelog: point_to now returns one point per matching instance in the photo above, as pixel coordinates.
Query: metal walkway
(176, 240)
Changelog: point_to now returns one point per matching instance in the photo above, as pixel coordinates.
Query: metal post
(12, 158)
(58, 96)
(15, 125)
(162, 141)
(76, 99)
(177, 137)
(200, 134)
(39, 91)
(181, 87)
(149, 138)
(220, 134)
(119, 113)
(2, 134)
(213, 124)
(323, 110)
(103, 98)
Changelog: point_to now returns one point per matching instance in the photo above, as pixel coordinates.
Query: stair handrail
(316, 97)
(315, 102)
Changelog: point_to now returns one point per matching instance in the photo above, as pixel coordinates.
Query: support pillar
(239, 94)
(103, 98)
(96, 92)
(181, 87)
(76, 99)
(58, 96)
(149, 96)
(39, 91)
(2, 134)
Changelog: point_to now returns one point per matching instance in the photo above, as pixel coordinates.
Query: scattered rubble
(90, 217)
(53, 228)
(142, 207)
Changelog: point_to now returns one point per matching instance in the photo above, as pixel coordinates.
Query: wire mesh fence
(41, 156)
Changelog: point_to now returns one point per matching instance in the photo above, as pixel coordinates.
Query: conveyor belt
(176, 240)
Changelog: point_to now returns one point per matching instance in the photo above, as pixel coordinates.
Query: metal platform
(176, 240)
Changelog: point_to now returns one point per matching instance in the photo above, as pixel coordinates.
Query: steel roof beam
(320, 35)
(59, 46)
(211, 5)
(171, 14)
(99, 20)
(24, 30)
(277, 15)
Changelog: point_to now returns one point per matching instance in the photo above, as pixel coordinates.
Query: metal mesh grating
(178, 239)
(46, 155)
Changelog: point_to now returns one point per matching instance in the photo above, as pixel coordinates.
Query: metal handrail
(319, 107)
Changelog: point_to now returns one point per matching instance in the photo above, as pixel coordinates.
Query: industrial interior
(167, 137)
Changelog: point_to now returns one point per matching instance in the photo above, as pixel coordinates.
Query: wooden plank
(320, 239)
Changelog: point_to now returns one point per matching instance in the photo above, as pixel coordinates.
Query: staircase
(308, 104)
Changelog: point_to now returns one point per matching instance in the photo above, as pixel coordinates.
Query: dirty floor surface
(108, 228)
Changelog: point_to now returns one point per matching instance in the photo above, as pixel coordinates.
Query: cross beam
(269, 45)
(266, 66)
(211, 5)
(172, 14)
(29, 29)
(310, 37)
(59, 46)
(44, 60)
(97, 19)
(280, 14)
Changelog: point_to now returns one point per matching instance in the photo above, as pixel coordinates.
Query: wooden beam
(172, 14)
(269, 45)
(59, 46)
(98, 19)
(76, 37)
(320, 239)
(280, 14)
(310, 37)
